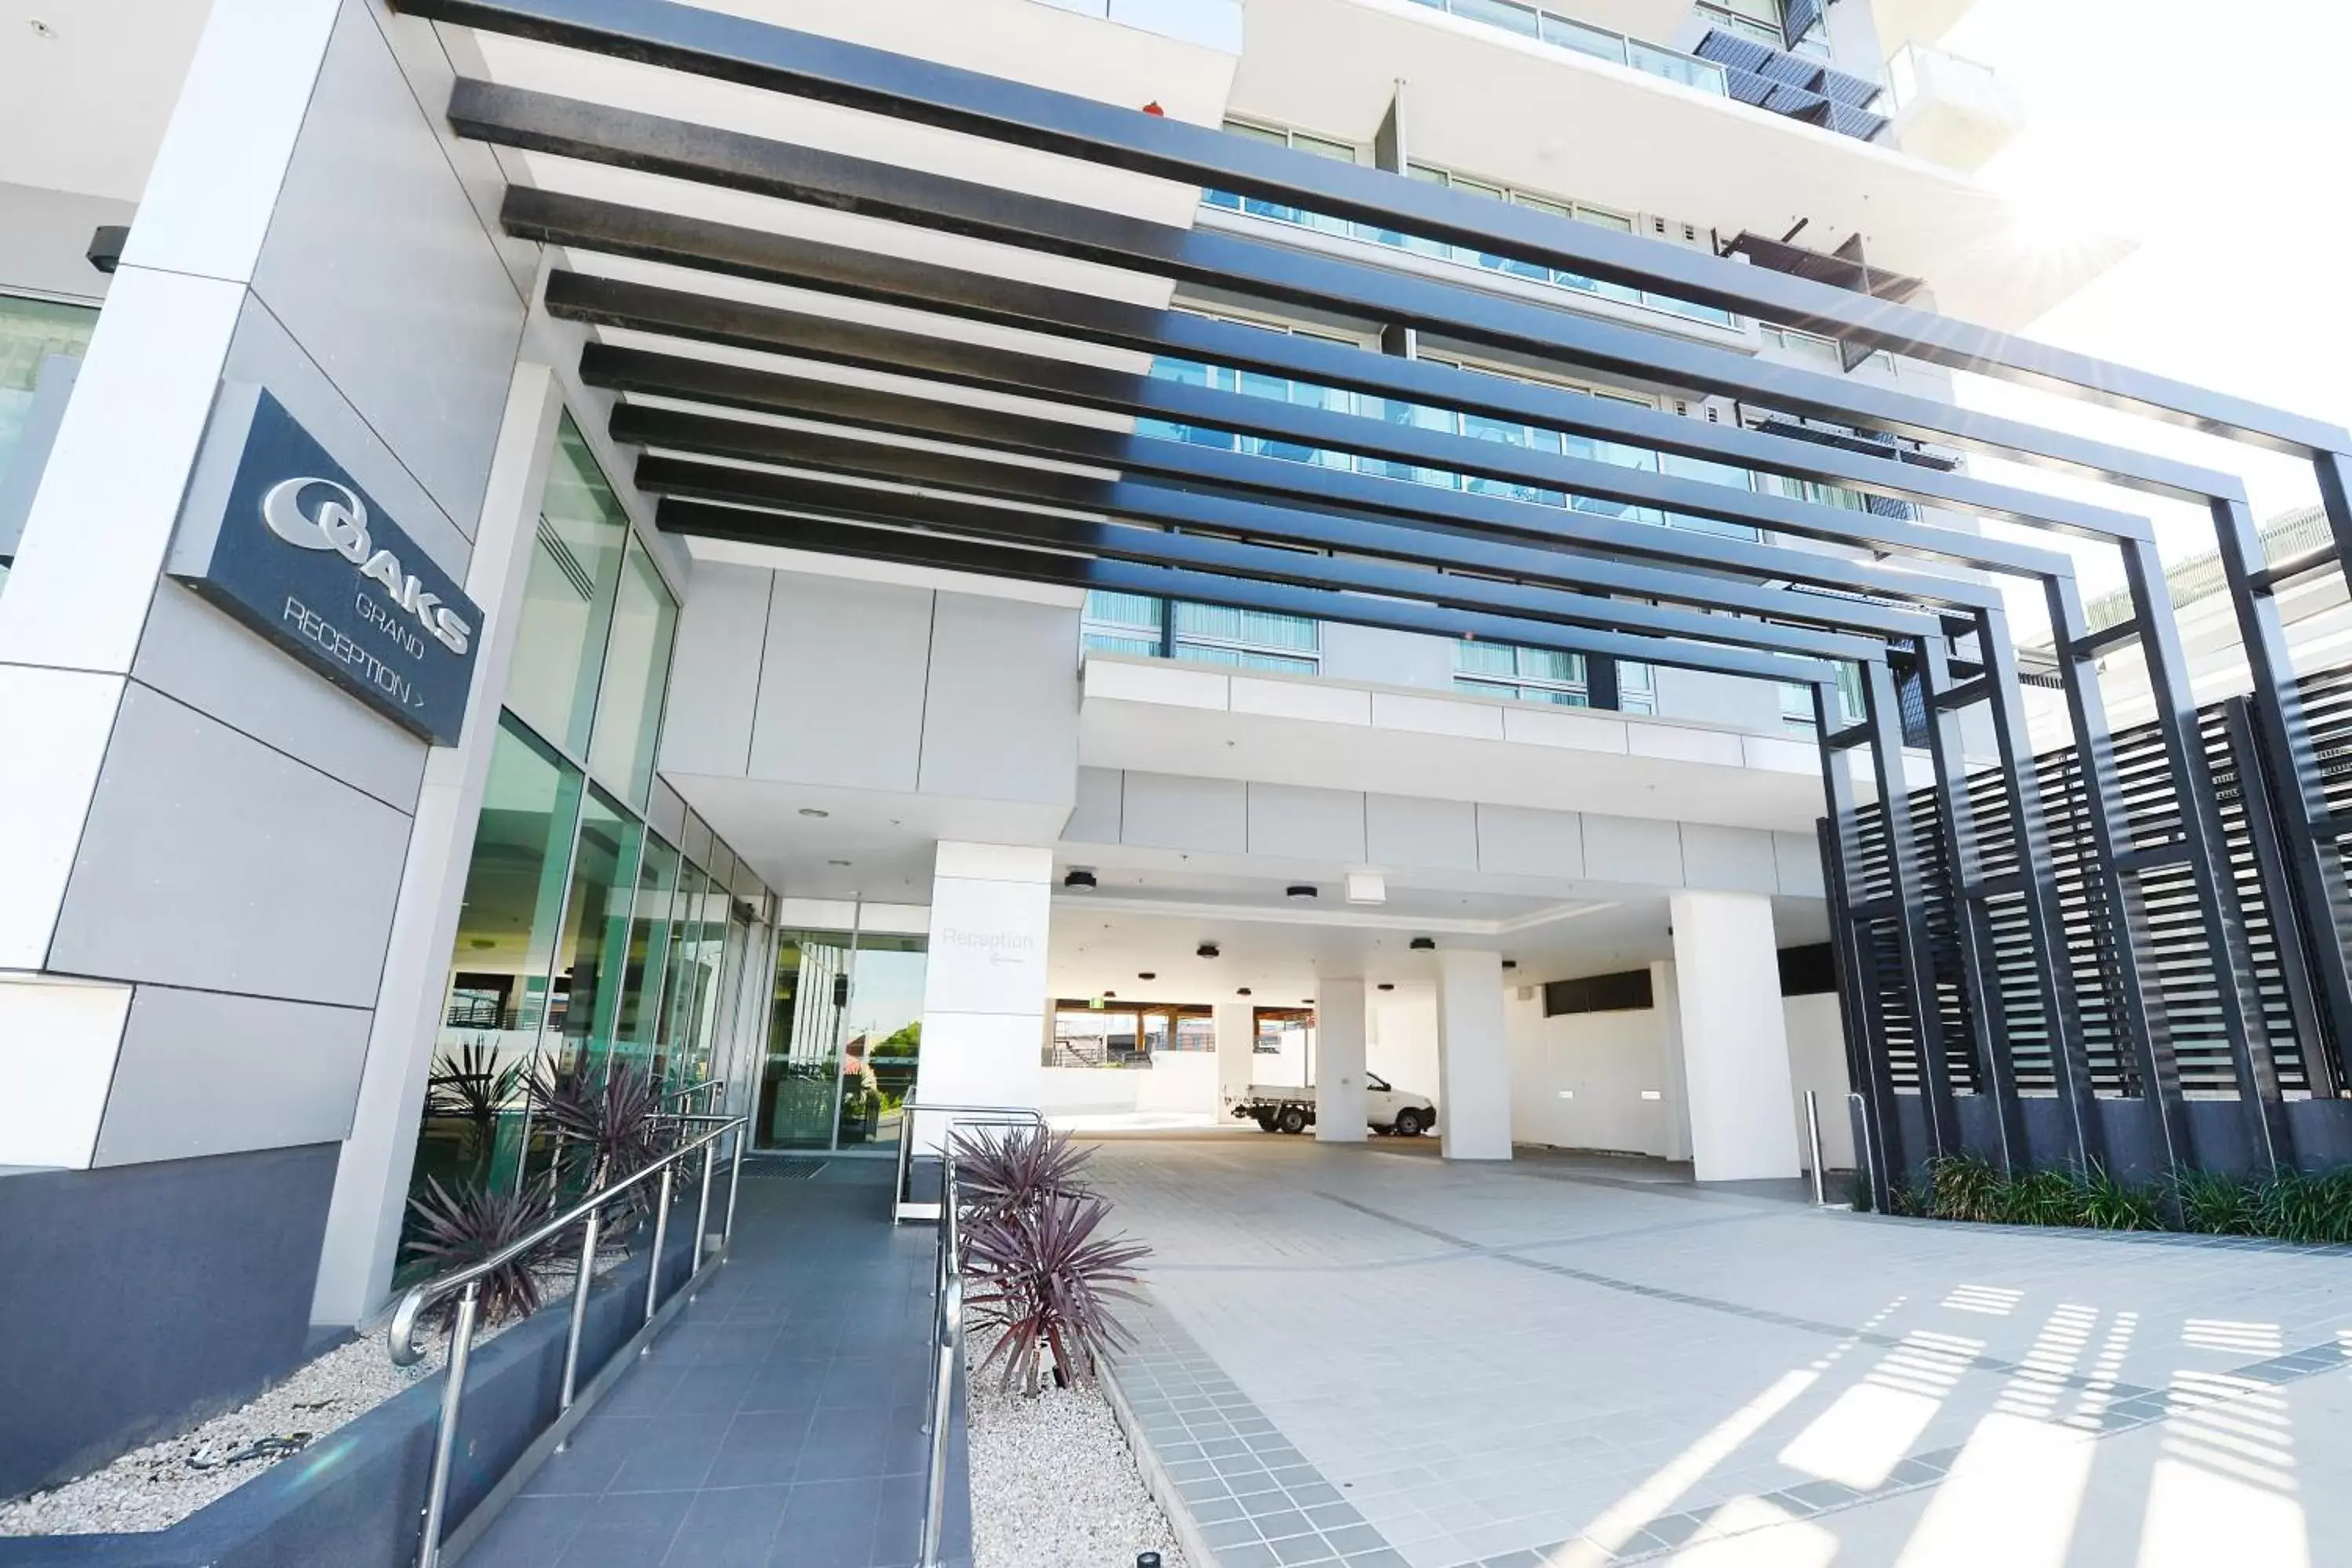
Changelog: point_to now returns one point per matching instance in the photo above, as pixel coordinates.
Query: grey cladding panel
(1165, 811)
(1297, 823)
(1405, 830)
(203, 1073)
(380, 267)
(1094, 818)
(714, 680)
(1731, 860)
(1523, 841)
(209, 860)
(217, 667)
(841, 685)
(1001, 721)
(1632, 849)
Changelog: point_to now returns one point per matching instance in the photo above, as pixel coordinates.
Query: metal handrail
(400, 1334)
(948, 1343)
(693, 1089)
(965, 1115)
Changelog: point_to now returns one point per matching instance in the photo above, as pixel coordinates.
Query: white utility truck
(1290, 1108)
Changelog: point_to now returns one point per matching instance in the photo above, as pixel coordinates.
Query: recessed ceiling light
(1148, 975)
(812, 811)
(1207, 949)
(1081, 881)
(1299, 890)
(1422, 943)
(836, 862)
(1388, 986)
(40, 29)
(1243, 992)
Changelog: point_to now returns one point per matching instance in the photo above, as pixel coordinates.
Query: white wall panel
(841, 685)
(57, 722)
(204, 1073)
(1290, 822)
(1736, 859)
(1163, 811)
(1410, 830)
(1094, 815)
(1001, 714)
(715, 672)
(1520, 841)
(1797, 861)
(373, 253)
(211, 861)
(1632, 849)
(57, 1044)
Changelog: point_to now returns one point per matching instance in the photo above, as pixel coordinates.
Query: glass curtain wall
(587, 939)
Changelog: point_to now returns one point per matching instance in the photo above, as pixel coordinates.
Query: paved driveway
(1369, 1356)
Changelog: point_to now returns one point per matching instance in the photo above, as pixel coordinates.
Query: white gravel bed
(1054, 1486)
(156, 1487)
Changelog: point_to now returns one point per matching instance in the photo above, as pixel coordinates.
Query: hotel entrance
(844, 1037)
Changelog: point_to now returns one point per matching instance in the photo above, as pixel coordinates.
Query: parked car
(1290, 1108)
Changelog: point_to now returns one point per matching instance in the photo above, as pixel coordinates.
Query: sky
(2220, 136)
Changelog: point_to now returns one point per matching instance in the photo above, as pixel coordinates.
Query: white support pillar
(371, 1178)
(1339, 1061)
(984, 1002)
(1675, 1081)
(1474, 1058)
(1735, 1038)
(1236, 1029)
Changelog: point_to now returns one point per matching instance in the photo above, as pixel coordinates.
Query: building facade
(551, 761)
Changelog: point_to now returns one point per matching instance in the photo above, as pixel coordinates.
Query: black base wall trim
(139, 1298)
(2219, 1135)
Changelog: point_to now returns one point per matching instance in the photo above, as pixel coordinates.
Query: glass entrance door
(845, 1031)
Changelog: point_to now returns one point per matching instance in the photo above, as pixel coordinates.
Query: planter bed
(354, 1497)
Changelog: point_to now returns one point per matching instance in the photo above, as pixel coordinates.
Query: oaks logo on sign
(337, 520)
(306, 557)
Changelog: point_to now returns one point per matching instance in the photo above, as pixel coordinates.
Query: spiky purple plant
(1010, 1170)
(616, 1125)
(456, 1229)
(1040, 1274)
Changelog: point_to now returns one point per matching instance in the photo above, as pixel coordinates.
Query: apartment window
(1297, 141)
(1797, 700)
(1123, 623)
(1766, 22)
(1249, 639)
(1823, 353)
(1637, 688)
(1524, 674)
(1200, 634)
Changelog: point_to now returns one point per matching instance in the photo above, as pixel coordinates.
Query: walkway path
(778, 1420)
(1374, 1357)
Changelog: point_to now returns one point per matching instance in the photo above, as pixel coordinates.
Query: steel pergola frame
(1256, 496)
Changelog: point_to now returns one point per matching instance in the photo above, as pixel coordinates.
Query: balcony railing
(1583, 39)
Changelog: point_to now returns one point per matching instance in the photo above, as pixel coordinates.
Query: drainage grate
(782, 1170)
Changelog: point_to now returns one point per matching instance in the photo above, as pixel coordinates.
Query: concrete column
(984, 1001)
(1474, 1058)
(1339, 1061)
(1735, 1038)
(1236, 1027)
(1676, 1082)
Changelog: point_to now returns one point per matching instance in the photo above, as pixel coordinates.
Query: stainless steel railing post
(905, 1155)
(734, 1186)
(702, 1207)
(579, 1309)
(950, 1337)
(444, 1441)
(1813, 1134)
(661, 1239)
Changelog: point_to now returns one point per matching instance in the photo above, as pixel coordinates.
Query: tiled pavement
(777, 1421)
(1573, 1363)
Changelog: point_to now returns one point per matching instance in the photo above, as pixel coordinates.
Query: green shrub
(2287, 1206)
